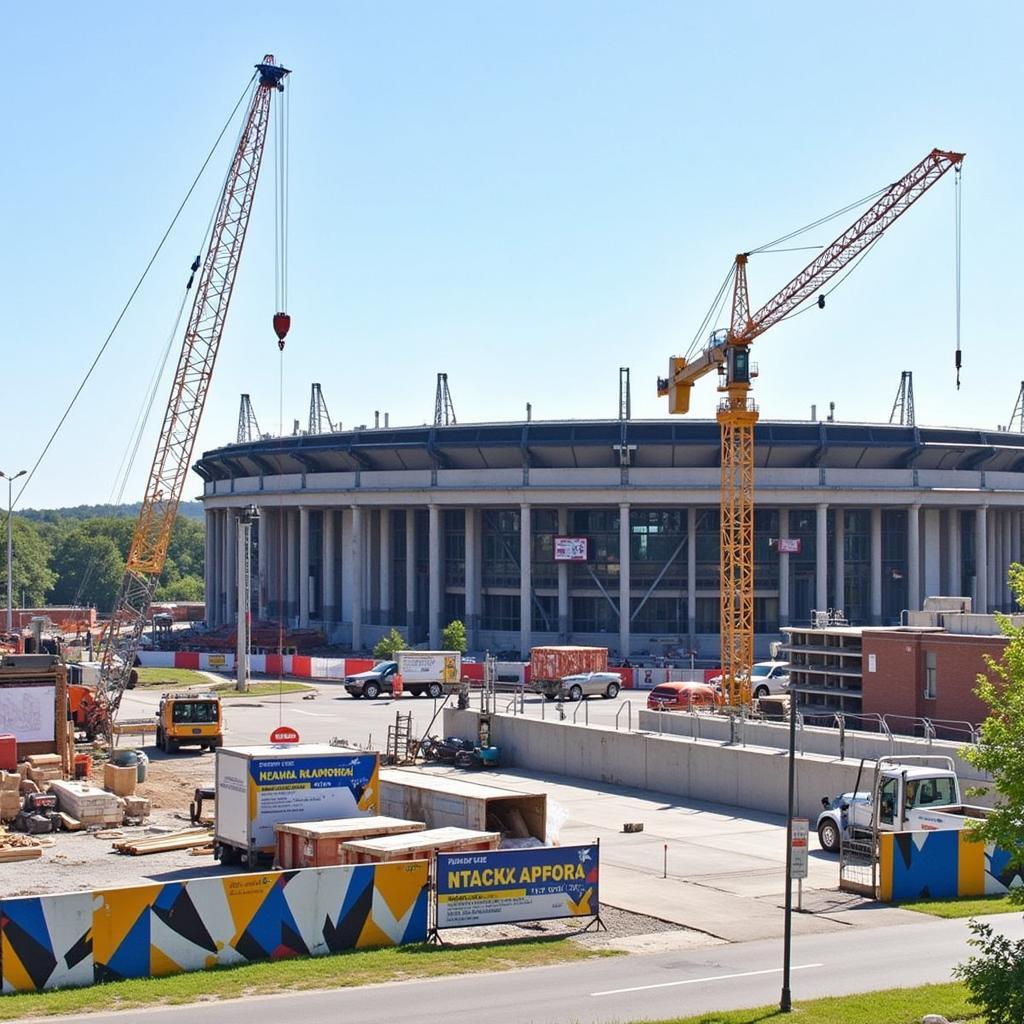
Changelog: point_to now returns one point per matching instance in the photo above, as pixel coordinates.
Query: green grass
(261, 689)
(343, 970)
(169, 678)
(895, 1006)
(966, 907)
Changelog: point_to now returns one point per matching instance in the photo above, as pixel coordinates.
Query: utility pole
(246, 517)
(10, 546)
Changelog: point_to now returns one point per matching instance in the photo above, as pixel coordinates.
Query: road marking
(312, 714)
(698, 981)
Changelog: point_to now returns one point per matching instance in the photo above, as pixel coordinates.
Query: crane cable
(958, 215)
(131, 297)
(281, 169)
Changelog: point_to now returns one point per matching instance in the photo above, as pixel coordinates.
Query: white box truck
(259, 787)
(429, 672)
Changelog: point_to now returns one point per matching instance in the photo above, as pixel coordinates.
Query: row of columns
(997, 542)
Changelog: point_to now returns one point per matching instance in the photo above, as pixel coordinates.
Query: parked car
(683, 696)
(765, 677)
(585, 684)
(373, 682)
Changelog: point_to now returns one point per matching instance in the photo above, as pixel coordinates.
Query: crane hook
(282, 322)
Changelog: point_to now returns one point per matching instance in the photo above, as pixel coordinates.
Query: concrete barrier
(750, 777)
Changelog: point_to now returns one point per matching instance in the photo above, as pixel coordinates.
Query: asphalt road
(647, 987)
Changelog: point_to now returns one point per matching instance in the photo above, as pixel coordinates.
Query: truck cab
(185, 719)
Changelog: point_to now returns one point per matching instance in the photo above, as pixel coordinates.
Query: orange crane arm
(148, 552)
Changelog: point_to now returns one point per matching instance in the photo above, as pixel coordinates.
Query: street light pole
(10, 547)
(786, 1000)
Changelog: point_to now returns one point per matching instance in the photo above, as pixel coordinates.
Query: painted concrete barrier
(942, 864)
(148, 931)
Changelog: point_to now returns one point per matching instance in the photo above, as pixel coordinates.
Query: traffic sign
(284, 734)
(799, 832)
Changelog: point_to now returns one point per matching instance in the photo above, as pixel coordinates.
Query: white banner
(28, 712)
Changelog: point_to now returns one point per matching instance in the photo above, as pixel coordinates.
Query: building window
(929, 675)
(708, 615)
(601, 528)
(660, 615)
(707, 551)
(544, 568)
(655, 536)
(454, 608)
(500, 566)
(500, 612)
(545, 613)
(593, 615)
(453, 524)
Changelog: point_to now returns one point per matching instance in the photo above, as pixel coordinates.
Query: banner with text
(503, 886)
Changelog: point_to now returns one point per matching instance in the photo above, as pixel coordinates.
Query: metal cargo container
(317, 844)
(418, 845)
(442, 800)
(259, 787)
(549, 664)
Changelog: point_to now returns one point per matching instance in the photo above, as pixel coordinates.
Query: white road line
(699, 981)
(312, 714)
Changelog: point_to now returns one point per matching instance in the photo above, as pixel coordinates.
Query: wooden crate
(318, 844)
(120, 780)
(418, 845)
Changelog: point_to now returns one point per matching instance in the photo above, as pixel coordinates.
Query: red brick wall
(898, 682)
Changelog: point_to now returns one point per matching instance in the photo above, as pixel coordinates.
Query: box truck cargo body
(429, 672)
(258, 787)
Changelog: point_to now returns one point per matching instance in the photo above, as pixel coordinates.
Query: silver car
(587, 684)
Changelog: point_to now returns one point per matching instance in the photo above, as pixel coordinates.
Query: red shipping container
(553, 663)
(8, 752)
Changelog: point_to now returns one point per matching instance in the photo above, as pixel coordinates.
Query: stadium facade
(416, 526)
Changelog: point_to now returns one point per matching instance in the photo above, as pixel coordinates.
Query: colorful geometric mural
(942, 864)
(155, 930)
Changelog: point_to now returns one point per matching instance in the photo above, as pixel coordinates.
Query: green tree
(31, 575)
(184, 588)
(453, 636)
(89, 569)
(388, 646)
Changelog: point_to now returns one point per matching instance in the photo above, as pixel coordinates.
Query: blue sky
(524, 195)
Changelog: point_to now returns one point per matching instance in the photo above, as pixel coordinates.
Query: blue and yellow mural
(154, 930)
(942, 864)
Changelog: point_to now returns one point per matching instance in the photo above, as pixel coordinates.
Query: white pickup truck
(910, 793)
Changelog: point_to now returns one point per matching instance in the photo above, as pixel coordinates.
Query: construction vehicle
(216, 278)
(729, 355)
(189, 719)
(908, 793)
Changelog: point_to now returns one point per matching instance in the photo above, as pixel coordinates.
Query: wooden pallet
(184, 840)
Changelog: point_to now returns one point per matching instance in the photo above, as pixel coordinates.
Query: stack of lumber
(184, 840)
(15, 847)
(43, 768)
(87, 804)
(10, 797)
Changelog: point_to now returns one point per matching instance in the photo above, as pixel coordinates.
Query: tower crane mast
(737, 415)
(148, 551)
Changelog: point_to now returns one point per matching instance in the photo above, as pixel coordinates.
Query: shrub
(995, 978)
(388, 646)
(453, 637)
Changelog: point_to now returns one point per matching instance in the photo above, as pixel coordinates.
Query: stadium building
(416, 526)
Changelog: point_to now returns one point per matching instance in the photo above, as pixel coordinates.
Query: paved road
(628, 988)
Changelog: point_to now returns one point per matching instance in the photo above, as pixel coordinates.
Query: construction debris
(184, 840)
(15, 847)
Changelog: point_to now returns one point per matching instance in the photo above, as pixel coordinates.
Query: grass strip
(342, 970)
(894, 1006)
(966, 907)
(169, 678)
(260, 689)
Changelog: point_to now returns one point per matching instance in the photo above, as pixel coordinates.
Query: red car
(682, 697)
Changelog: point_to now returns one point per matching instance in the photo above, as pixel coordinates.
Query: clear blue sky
(527, 195)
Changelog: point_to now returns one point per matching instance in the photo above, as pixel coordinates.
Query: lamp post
(786, 1000)
(10, 548)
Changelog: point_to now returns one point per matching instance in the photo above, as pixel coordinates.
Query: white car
(766, 677)
(586, 684)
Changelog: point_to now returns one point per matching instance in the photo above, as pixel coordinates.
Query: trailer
(318, 844)
(550, 665)
(443, 800)
(418, 845)
(259, 787)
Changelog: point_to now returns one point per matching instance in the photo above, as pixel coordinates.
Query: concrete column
(410, 572)
(1015, 518)
(218, 567)
(304, 567)
(208, 564)
(291, 525)
(525, 580)
(784, 612)
(914, 558)
(932, 553)
(991, 546)
(436, 563)
(980, 595)
(472, 577)
(625, 604)
(839, 559)
(372, 549)
(263, 561)
(329, 597)
(876, 567)
(1004, 562)
(563, 581)
(821, 559)
(691, 574)
(231, 561)
(358, 581)
(384, 567)
(954, 574)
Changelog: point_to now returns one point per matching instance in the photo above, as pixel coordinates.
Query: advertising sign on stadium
(502, 886)
(571, 549)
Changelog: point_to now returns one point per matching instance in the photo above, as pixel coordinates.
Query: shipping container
(258, 787)
(317, 844)
(418, 845)
(549, 664)
(441, 800)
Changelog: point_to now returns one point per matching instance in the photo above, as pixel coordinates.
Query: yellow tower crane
(737, 414)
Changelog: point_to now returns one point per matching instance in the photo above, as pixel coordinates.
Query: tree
(453, 636)
(89, 569)
(31, 575)
(388, 646)
(183, 588)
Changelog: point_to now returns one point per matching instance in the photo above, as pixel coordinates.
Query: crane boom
(148, 551)
(730, 355)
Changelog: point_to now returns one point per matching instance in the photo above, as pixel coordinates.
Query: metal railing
(585, 704)
(626, 705)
